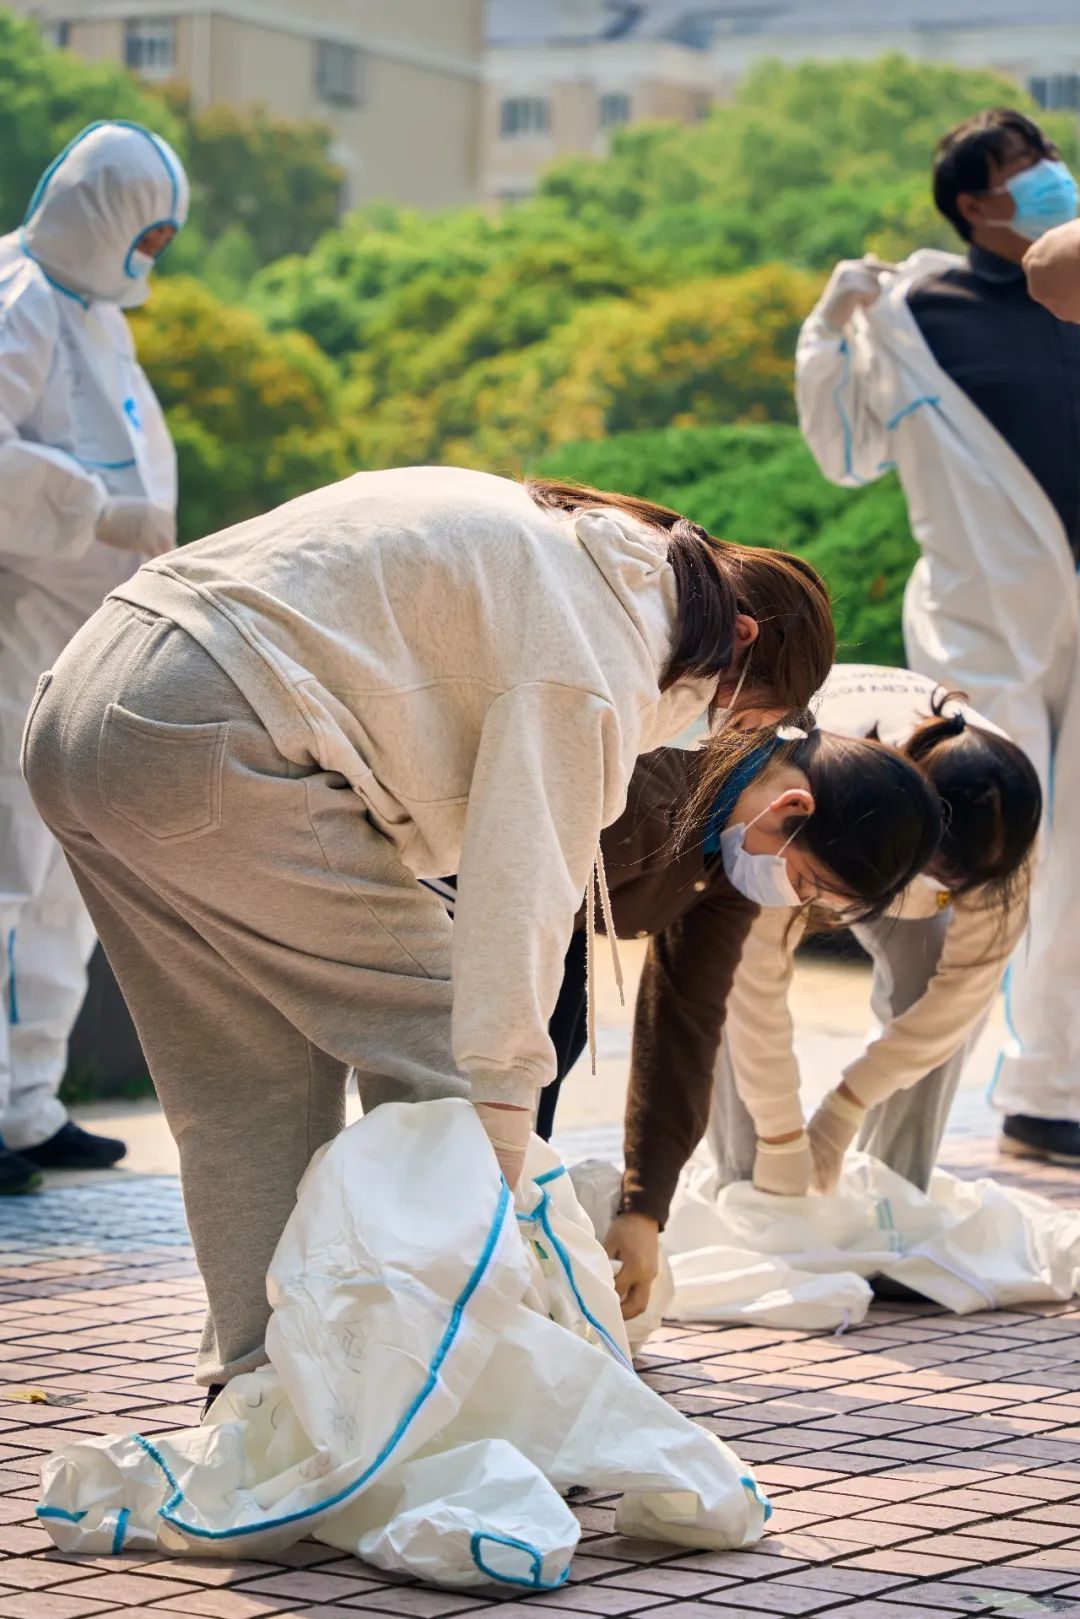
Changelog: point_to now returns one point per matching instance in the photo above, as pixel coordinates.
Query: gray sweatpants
(905, 1131)
(265, 936)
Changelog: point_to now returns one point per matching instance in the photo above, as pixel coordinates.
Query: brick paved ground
(922, 1466)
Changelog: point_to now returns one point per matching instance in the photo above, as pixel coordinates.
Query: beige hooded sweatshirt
(483, 673)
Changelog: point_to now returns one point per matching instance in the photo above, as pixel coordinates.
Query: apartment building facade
(399, 82)
(564, 74)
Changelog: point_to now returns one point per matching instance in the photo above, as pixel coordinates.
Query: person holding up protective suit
(87, 493)
(949, 370)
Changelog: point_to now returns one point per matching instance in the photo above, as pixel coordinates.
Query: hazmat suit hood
(110, 185)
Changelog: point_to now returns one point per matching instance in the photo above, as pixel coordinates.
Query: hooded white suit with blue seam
(79, 426)
(990, 609)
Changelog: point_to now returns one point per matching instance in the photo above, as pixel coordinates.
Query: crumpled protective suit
(737, 1254)
(444, 1364)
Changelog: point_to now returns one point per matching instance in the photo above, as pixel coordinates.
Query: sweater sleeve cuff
(639, 1197)
(512, 1087)
(867, 1083)
(780, 1116)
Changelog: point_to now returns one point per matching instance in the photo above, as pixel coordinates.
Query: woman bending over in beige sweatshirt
(259, 745)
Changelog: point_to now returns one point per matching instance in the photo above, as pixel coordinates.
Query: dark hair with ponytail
(716, 580)
(991, 797)
(876, 820)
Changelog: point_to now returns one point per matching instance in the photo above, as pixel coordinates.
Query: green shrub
(760, 485)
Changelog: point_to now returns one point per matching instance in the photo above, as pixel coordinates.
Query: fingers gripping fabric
(447, 1462)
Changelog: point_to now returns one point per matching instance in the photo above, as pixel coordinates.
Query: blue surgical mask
(762, 878)
(1045, 195)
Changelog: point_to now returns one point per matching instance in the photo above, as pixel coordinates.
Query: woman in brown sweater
(864, 822)
(848, 823)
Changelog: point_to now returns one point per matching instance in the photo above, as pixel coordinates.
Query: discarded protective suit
(991, 608)
(79, 427)
(737, 1254)
(444, 1366)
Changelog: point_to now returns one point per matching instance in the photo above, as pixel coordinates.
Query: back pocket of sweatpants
(163, 779)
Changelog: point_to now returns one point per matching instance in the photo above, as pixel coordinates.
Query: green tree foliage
(253, 415)
(760, 485)
(255, 178)
(261, 186)
(662, 284)
(808, 164)
(46, 97)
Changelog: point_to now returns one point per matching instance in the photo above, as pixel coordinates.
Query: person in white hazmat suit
(950, 371)
(87, 493)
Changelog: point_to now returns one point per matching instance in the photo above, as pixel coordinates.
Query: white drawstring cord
(598, 876)
(609, 923)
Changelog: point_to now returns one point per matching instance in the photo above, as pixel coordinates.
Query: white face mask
(722, 716)
(762, 878)
(137, 290)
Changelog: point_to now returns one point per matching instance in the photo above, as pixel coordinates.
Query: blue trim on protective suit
(60, 1513)
(539, 1215)
(916, 404)
(40, 188)
(762, 1500)
(105, 466)
(69, 292)
(13, 999)
(549, 1175)
(535, 1582)
(121, 1530)
(168, 1511)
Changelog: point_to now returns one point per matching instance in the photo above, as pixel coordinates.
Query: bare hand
(1052, 267)
(634, 1240)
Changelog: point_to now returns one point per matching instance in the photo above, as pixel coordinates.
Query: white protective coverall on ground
(991, 609)
(444, 1366)
(79, 423)
(737, 1254)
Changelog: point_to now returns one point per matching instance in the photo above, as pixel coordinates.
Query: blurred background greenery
(631, 324)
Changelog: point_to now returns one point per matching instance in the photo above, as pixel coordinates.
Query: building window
(614, 109)
(524, 115)
(150, 46)
(1057, 91)
(337, 72)
(57, 33)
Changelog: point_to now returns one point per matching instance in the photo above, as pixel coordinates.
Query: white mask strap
(741, 680)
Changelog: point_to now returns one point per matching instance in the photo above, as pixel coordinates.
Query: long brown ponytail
(716, 580)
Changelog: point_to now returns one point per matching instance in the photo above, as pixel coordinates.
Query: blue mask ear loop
(730, 792)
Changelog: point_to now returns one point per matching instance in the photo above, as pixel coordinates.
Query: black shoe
(1057, 1141)
(211, 1395)
(74, 1148)
(17, 1174)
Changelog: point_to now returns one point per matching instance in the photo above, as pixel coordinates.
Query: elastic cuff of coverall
(782, 1118)
(511, 1088)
